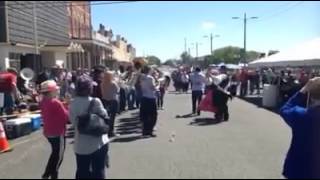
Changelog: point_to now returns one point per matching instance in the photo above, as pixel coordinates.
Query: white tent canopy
(305, 54)
(229, 66)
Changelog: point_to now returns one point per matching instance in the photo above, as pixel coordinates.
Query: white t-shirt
(209, 81)
(148, 86)
(185, 78)
(198, 82)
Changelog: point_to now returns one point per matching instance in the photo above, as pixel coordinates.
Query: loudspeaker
(32, 61)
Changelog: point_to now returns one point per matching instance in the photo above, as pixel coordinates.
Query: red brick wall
(79, 13)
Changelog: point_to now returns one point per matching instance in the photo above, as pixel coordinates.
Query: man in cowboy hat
(302, 114)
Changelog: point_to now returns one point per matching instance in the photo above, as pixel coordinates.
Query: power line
(51, 4)
(265, 13)
(280, 12)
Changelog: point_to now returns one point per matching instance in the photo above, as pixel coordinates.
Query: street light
(197, 49)
(245, 19)
(196, 46)
(211, 39)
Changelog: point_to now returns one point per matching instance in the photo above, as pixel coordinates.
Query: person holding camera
(302, 114)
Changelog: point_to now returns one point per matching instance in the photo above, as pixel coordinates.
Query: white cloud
(208, 25)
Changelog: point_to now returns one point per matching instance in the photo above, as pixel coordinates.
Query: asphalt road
(253, 144)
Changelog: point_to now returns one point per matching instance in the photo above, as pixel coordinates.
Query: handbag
(91, 123)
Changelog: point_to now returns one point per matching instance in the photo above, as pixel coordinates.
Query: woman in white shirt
(91, 151)
(110, 91)
(148, 108)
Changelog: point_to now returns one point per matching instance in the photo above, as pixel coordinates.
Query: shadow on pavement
(126, 139)
(128, 126)
(186, 116)
(178, 93)
(135, 114)
(205, 122)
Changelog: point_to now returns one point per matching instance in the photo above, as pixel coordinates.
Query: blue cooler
(36, 121)
(18, 127)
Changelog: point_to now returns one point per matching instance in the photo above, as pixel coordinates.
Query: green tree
(170, 62)
(233, 55)
(228, 55)
(153, 60)
(272, 52)
(186, 58)
(252, 55)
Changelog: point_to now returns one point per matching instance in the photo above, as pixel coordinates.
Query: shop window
(14, 60)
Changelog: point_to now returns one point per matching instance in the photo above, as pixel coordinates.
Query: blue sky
(159, 28)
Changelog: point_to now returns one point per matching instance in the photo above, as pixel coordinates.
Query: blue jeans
(148, 115)
(112, 108)
(196, 99)
(138, 98)
(122, 100)
(131, 98)
(93, 166)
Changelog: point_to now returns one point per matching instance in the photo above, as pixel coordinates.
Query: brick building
(93, 48)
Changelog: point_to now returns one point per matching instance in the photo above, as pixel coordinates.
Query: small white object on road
(172, 138)
(173, 134)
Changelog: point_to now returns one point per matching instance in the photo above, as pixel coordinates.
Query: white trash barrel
(270, 96)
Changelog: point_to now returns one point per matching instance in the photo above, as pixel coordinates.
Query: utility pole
(211, 39)
(245, 19)
(35, 27)
(197, 50)
(185, 44)
(245, 39)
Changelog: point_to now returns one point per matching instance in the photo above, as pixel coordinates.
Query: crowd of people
(300, 98)
(91, 101)
(248, 81)
(214, 84)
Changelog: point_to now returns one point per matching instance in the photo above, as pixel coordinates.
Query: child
(55, 117)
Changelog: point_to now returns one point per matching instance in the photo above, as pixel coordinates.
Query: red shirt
(55, 117)
(243, 76)
(8, 82)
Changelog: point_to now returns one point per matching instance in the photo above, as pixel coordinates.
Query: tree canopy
(186, 58)
(230, 55)
(153, 60)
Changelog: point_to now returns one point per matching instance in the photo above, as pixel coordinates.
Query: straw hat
(49, 86)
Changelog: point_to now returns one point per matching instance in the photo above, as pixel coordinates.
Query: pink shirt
(55, 117)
